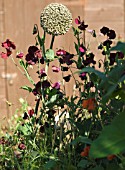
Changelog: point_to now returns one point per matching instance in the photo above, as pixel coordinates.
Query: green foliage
(29, 89)
(111, 140)
(120, 46)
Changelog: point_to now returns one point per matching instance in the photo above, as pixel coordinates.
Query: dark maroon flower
(55, 69)
(67, 78)
(38, 54)
(2, 141)
(100, 47)
(82, 76)
(104, 30)
(113, 56)
(111, 34)
(45, 84)
(33, 55)
(9, 52)
(89, 84)
(35, 92)
(38, 120)
(31, 112)
(42, 129)
(60, 52)
(37, 89)
(64, 68)
(89, 59)
(39, 86)
(42, 60)
(42, 73)
(9, 45)
(50, 113)
(56, 85)
(25, 115)
(20, 55)
(31, 60)
(104, 52)
(107, 43)
(22, 146)
(82, 26)
(66, 59)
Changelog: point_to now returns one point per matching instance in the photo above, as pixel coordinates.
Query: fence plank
(3, 108)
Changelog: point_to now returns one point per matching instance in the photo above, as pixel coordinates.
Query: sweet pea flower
(60, 52)
(42, 73)
(31, 112)
(8, 45)
(55, 69)
(77, 20)
(4, 55)
(19, 55)
(56, 85)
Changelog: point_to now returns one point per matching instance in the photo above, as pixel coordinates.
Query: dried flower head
(56, 19)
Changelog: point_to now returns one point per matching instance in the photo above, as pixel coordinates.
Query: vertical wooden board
(3, 108)
(14, 27)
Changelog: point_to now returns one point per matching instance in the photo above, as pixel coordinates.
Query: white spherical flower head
(56, 19)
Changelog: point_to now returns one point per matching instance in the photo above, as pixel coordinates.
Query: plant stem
(84, 37)
(26, 72)
(52, 41)
(37, 106)
(43, 46)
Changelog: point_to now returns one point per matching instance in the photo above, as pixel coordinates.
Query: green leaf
(77, 48)
(113, 166)
(23, 64)
(110, 83)
(111, 140)
(26, 88)
(26, 129)
(98, 168)
(50, 164)
(40, 40)
(81, 139)
(120, 46)
(82, 163)
(50, 55)
(52, 99)
(92, 70)
(75, 31)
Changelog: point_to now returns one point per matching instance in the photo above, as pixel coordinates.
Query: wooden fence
(17, 18)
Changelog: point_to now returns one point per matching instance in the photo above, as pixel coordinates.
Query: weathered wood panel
(3, 87)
